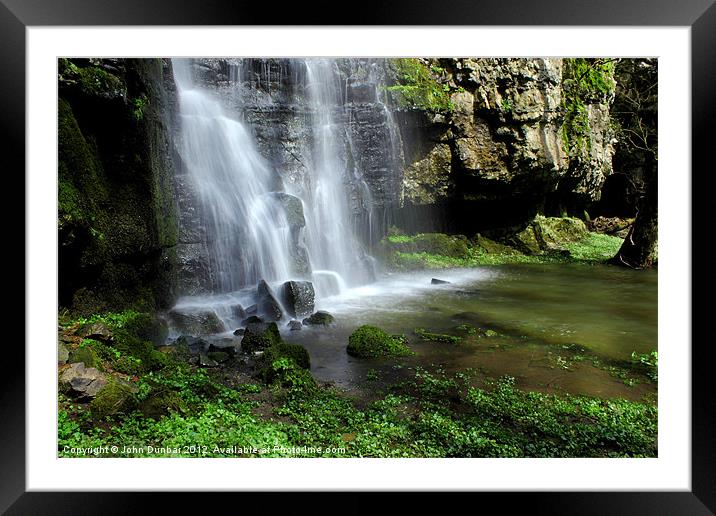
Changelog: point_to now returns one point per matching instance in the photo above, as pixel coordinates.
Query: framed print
(419, 252)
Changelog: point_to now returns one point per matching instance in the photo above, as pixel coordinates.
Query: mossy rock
(371, 342)
(161, 403)
(526, 241)
(260, 336)
(490, 246)
(117, 397)
(87, 356)
(559, 230)
(451, 246)
(148, 327)
(294, 352)
(285, 372)
(218, 356)
(320, 318)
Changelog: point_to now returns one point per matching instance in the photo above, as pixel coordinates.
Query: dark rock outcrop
(268, 307)
(196, 322)
(298, 298)
(117, 215)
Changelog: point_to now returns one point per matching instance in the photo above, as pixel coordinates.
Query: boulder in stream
(320, 318)
(436, 281)
(294, 325)
(268, 307)
(298, 298)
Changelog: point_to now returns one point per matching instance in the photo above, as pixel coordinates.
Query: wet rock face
(299, 298)
(268, 306)
(196, 322)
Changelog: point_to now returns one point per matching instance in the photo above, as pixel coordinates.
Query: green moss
(584, 81)
(559, 230)
(162, 403)
(257, 337)
(132, 349)
(267, 369)
(115, 398)
(544, 240)
(594, 247)
(320, 318)
(419, 88)
(91, 80)
(371, 341)
(81, 187)
(449, 246)
(86, 355)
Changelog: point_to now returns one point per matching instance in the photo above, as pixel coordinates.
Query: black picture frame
(17, 15)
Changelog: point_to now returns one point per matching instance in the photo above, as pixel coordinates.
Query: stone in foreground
(83, 383)
(320, 318)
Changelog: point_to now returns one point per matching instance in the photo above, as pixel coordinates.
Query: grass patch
(556, 240)
(595, 247)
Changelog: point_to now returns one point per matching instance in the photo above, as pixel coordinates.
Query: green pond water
(562, 328)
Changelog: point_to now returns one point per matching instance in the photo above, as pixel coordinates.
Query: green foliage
(370, 342)
(419, 87)
(432, 415)
(131, 350)
(91, 80)
(584, 81)
(649, 362)
(139, 105)
(372, 375)
(266, 364)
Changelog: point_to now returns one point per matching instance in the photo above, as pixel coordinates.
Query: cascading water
(331, 243)
(248, 233)
(250, 210)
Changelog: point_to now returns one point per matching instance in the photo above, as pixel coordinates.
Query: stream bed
(554, 323)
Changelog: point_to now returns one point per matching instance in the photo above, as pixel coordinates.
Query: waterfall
(332, 244)
(248, 234)
(260, 221)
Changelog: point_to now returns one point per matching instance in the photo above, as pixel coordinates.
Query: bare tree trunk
(639, 248)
